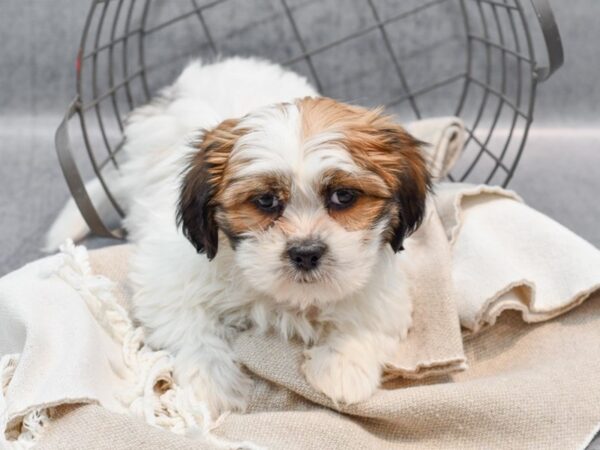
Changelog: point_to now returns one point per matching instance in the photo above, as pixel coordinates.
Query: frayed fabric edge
(27, 432)
(151, 393)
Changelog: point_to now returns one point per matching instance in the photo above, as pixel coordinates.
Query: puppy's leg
(205, 362)
(346, 364)
(347, 367)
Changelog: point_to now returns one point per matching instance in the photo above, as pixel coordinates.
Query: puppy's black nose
(306, 255)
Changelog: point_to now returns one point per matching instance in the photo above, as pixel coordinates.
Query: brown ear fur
(396, 157)
(203, 176)
(412, 186)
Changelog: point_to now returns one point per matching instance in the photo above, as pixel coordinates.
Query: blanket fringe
(23, 435)
(153, 395)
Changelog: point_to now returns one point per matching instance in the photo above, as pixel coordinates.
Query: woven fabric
(526, 385)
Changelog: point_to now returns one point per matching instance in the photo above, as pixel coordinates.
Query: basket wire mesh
(470, 58)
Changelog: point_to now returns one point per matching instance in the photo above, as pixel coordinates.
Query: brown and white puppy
(314, 198)
(299, 209)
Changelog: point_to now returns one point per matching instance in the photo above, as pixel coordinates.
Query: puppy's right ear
(203, 177)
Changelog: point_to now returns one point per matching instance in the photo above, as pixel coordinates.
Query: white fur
(350, 317)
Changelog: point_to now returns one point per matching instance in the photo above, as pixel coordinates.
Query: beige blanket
(525, 386)
(74, 372)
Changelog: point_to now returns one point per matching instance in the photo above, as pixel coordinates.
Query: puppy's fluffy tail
(70, 224)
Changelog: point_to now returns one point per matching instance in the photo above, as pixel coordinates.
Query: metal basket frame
(86, 105)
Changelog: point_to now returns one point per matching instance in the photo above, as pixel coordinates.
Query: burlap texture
(527, 386)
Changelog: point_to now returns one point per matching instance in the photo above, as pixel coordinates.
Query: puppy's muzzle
(306, 255)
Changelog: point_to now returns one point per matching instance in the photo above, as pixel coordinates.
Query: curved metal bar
(426, 89)
(300, 41)
(141, 51)
(421, 7)
(125, 59)
(397, 68)
(101, 97)
(95, 84)
(111, 67)
(518, 98)
(71, 173)
(468, 58)
(519, 103)
(79, 110)
(533, 80)
(181, 17)
(81, 52)
(552, 38)
(112, 43)
(501, 97)
(207, 33)
(485, 93)
(95, 165)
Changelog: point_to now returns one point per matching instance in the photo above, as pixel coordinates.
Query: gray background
(559, 173)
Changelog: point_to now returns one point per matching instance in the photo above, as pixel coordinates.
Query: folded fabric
(66, 337)
(72, 362)
(506, 255)
(52, 350)
(434, 345)
(445, 137)
(59, 281)
(527, 386)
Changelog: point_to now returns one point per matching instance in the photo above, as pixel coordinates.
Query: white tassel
(174, 409)
(171, 408)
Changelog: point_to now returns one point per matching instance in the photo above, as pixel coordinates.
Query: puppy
(252, 202)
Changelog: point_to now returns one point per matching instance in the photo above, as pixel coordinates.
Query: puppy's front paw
(222, 385)
(345, 378)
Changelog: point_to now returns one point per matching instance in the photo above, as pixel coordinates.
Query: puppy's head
(308, 195)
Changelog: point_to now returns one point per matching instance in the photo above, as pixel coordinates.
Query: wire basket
(470, 58)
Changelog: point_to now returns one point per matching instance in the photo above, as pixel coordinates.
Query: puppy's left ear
(198, 195)
(413, 183)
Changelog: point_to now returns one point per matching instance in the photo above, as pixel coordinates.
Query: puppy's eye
(267, 202)
(342, 198)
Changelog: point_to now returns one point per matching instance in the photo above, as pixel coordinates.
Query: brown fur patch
(380, 146)
(368, 183)
(213, 198)
(361, 215)
(205, 173)
(216, 147)
(239, 214)
(242, 189)
(374, 195)
(243, 217)
(375, 142)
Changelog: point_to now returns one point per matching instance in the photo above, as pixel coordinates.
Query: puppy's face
(308, 195)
